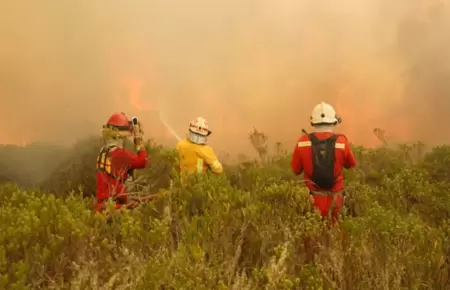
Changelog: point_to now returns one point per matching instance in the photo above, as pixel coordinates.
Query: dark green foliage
(29, 165)
(77, 171)
(245, 230)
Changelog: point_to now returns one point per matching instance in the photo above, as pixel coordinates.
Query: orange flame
(135, 99)
(363, 113)
(134, 87)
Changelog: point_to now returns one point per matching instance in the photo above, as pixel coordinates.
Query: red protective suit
(302, 161)
(113, 165)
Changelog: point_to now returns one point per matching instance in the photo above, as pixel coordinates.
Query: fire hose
(134, 200)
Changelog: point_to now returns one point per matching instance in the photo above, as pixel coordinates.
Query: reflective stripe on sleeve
(304, 144)
(216, 165)
(340, 146)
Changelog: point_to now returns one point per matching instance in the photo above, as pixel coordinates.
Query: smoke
(65, 66)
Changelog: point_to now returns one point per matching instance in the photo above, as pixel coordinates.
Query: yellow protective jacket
(197, 158)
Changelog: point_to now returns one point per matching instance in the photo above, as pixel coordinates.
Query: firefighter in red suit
(321, 157)
(115, 163)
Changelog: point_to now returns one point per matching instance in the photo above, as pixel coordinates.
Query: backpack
(323, 161)
(104, 164)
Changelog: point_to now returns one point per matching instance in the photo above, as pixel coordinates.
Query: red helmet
(118, 122)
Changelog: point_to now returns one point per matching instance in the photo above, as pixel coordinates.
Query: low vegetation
(253, 228)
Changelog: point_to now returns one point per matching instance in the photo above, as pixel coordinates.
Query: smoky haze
(65, 66)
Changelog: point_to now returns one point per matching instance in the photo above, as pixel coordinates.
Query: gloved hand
(139, 143)
(138, 135)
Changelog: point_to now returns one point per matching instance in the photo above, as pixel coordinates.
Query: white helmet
(198, 131)
(199, 126)
(324, 114)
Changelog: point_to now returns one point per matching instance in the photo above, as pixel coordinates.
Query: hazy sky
(65, 66)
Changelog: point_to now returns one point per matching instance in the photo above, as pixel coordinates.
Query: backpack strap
(314, 138)
(104, 162)
(312, 134)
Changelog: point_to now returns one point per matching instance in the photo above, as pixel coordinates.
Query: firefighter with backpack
(115, 164)
(321, 157)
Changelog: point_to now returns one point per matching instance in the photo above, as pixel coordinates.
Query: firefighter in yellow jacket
(195, 155)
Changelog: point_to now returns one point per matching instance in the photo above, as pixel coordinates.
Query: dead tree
(259, 142)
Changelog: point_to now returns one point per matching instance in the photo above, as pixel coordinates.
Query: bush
(251, 229)
(30, 165)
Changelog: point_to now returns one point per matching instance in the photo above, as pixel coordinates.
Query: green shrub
(253, 228)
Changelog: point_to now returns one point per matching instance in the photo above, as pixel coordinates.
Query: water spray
(136, 103)
(163, 120)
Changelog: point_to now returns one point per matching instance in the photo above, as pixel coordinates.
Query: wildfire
(135, 99)
(364, 110)
(138, 103)
(8, 140)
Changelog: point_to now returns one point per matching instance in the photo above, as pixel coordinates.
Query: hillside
(253, 229)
